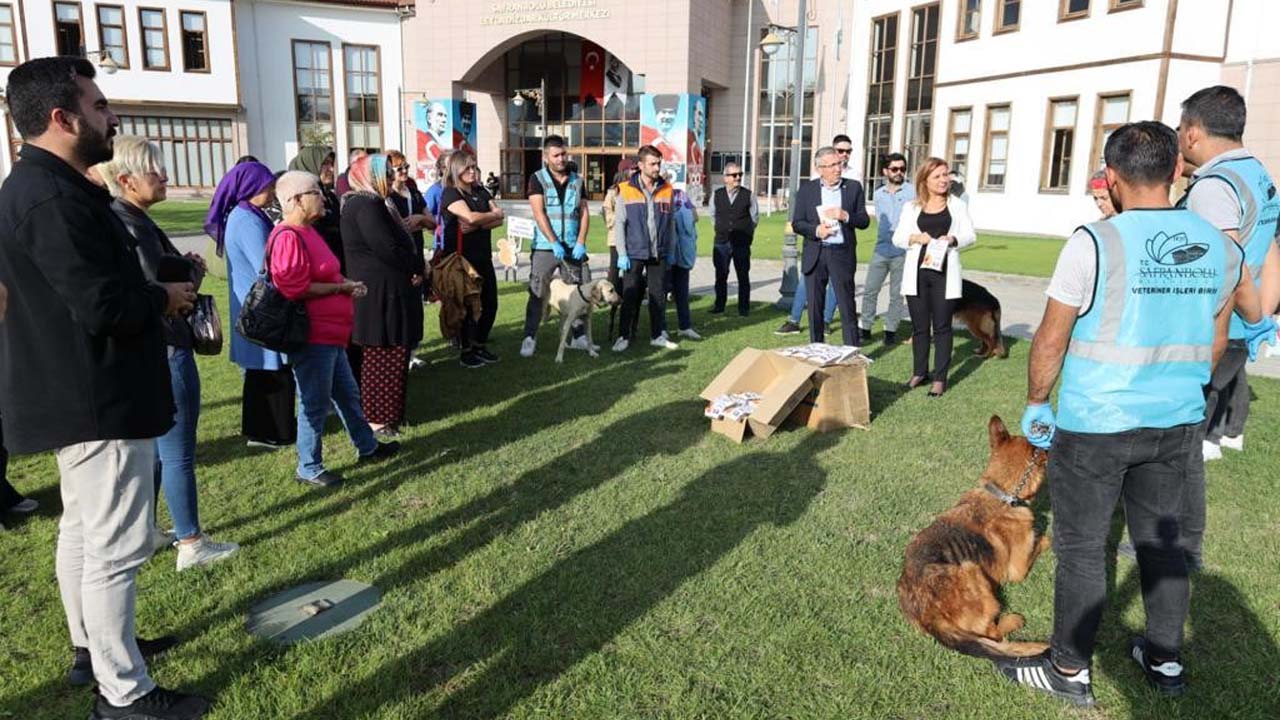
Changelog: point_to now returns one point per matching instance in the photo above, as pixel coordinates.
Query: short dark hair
(890, 158)
(553, 141)
(1143, 153)
(841, 138)
(649, 151)
(38, 87)
(1220, 110)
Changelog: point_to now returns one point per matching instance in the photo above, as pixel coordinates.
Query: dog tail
(983, 647)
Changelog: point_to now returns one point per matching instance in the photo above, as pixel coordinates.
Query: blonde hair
(132, 156)
(458, 162)
(922, 176)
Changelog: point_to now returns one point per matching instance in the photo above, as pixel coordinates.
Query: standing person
(826, 213)
(1128, 407)
(643, 235)
(388, 319)
(240, 228)
(342, 185)
(469, 217)
(931, 293)
(734, 214)
(412, 209)
(431, 199)
(491, 184)
(681, 258)
(136, 177)
(304, 269)
(319, 160)
(83, 373)
(1232, 190)
(887, 259)
(608, 209)
(558, 200)
(1101, 194)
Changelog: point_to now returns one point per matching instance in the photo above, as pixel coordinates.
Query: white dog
(577, 301)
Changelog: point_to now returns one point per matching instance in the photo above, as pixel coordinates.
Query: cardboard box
(781, 382)
(840, 398)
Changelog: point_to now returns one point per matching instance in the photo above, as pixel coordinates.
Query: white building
(1019, 96)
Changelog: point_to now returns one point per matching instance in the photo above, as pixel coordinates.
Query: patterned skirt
(384, 380)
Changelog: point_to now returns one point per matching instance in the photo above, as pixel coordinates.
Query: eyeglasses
(896, 168)
(828, 165)
(308, 192)
(401, 169)
(844, 151)
(737, 174)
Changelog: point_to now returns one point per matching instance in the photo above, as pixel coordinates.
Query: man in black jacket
(825, 213)
(83, 371)
(734, 214)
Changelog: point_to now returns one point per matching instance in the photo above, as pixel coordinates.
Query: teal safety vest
(563, 216)
(1260, 212)
(1140, 355)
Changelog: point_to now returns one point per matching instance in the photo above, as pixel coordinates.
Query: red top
(299, 257)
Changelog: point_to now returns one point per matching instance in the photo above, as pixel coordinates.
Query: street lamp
(769, 45)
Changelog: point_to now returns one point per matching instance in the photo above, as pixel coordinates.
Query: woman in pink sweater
(304, 268)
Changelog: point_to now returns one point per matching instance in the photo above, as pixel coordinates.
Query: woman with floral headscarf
(239, 228)
(388, 321)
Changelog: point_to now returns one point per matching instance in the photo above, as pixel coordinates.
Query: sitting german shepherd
(955, 567)
(980, 311)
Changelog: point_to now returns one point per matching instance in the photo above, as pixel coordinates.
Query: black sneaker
(788, 328)
(1167, 677)
(469, 361)
(1040, 674)
(327, 478)
(484, 356)
(81, 672)
(382, 452)
(717, 310)
(890, 338)
(159, 704)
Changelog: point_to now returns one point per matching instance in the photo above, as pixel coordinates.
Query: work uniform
(562, 203)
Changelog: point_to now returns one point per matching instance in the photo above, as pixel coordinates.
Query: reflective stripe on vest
(1141, 354)
(562, 216)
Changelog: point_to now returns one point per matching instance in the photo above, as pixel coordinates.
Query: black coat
(805, 220)
(381, 255)
(161, 262)
(82, 350)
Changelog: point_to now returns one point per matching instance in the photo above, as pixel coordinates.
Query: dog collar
(585, 299)
(1004, 497)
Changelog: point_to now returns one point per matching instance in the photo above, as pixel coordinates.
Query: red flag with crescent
(592, 87)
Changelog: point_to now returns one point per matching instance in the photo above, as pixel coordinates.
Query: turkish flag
(592, 87)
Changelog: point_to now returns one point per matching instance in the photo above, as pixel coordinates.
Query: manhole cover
(312, 611)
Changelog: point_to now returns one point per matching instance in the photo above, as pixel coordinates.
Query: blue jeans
(800, 300)
(176, 449)
(680, 293)
(324, 377)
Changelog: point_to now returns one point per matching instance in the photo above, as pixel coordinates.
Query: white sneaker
(203, 552)
(662, 341)
(1212, 451)
(1232, 443)
(161, 539)
(416, 362)
(26, 506)
(527, 346)
(690, 333)
(580, 343)
(621, 345)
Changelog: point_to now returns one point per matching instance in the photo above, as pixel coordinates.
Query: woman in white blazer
(931, 294)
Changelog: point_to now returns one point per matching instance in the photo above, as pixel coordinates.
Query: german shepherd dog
(955, 567)
(980, 311)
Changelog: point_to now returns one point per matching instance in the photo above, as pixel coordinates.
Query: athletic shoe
(621, 345)
(416, 362)
(1212, 451)
(159, 704)
(788, 328)
(1167, 677)
(382, 452)
(203, 552)
(26, 506)
(469, 361)
(386, 431)
(1038, 673)
(717, 310)
(484, 356)
(581, 343)
(664, 342)
(1232, 443)
(266, 445)
(689, 333)
(326, 478)
(81, 672)
(161, 539)
(527, 346)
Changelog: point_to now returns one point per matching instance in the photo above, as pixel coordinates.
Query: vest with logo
(562, 214)
(733, 219)
(639, 246)
(1260, 213)
(1141, 354)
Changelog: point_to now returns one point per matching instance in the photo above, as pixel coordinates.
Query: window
(111, 34)
(1117, 5)
(197, 152)
(1073, 9)
(1113, 111)
(195, 42)
(68, 28)
(777, 103)
(155, 38)
(879, 127)
(1059, 145)
(968, 22)
(958, 140)
(921, 71)
(1008, 15)
(313, 91)
(8, 39)
(364, 116)
(997, 147)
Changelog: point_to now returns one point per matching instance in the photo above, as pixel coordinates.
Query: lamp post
(770, 45)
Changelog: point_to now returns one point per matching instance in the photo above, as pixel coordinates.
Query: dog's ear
(997, 431)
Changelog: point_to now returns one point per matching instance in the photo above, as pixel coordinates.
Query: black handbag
(206, 326)
(269, 319)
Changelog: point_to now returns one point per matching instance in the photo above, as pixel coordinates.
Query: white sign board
(520, 227)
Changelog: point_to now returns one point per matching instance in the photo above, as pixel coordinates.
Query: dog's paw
(593, 353)
(560, 359)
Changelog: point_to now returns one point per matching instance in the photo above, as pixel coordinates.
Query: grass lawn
(181, 217)
(571, 542)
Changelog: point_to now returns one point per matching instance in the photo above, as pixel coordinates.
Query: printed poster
(676, 124)
(439, 125)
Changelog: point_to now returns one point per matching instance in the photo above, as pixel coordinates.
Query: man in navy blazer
(830, 245)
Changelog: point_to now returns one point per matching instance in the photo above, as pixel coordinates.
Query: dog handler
(1129, 405)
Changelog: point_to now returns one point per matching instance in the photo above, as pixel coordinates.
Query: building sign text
(530, 12)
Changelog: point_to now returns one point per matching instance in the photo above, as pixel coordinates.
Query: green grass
(180, 217)
(571, 542)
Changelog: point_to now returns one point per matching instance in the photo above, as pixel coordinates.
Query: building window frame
(164, 38)
(1100, 129)
(953, 135)
(1066, 14)
(1115, 6)
(883, 57)
(965, 11)
(988, 135)
(124, 33)
(293, 58)
(204, 40)
(922, 114)
(13, 36)
(377, 95)
(999, 26)
(1055, 178)
(197, 151)
(57, 29)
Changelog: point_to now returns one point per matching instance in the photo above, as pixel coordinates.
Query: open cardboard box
(781, 382)
(839, 399)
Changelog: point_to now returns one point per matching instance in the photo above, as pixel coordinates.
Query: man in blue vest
(560, 216)
(1137, 313)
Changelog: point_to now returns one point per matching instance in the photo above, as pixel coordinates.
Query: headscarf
(241, 183)
(310, 158)
(369, 174)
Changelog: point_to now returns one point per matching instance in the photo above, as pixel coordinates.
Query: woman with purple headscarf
(239, 227)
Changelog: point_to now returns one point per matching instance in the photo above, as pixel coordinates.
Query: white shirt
(1076, 272)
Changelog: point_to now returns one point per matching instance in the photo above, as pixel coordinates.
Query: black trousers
(9, 495)
(931, 311)
(475, 331)
(655, 274)
(835, 265)
(266, 409)
(740, 255)
(1227, 394)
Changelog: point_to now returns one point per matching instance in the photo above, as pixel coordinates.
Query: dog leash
(1012, 499)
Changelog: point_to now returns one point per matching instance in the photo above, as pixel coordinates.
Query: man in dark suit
(825, 212)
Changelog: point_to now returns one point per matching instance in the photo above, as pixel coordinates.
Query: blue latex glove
(1260, 332)
(624, 263)
(558, 250)
(1038, 425)
(579, 251)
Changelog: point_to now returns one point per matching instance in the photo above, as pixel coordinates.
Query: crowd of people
(97, 354)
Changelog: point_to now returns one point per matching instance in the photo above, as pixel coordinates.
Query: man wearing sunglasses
(887, 258)
(734, 214)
